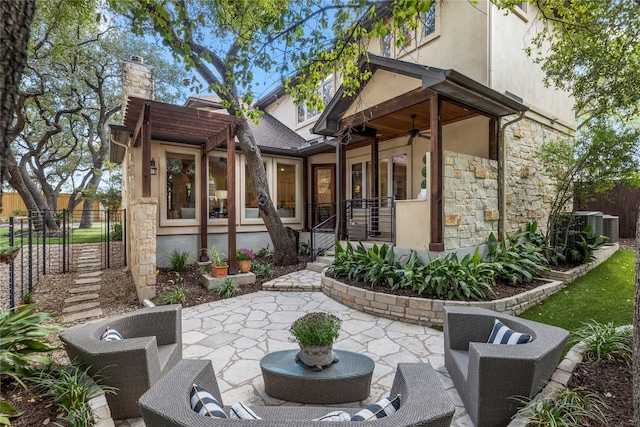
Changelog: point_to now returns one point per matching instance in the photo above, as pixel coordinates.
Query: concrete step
(325, 259)
(316, 266)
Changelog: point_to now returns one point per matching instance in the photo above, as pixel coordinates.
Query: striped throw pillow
(503, 335)
(240, 411)
(380, 409)
(205, 404)
(111, 334)
(334, 416)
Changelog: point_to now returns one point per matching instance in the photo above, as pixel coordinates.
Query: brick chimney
(137, 80)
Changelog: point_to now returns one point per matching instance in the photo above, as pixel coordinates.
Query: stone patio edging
(429, 312)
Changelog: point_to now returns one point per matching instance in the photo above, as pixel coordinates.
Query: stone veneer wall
(142, 237)
(470, 199)
(528, 188)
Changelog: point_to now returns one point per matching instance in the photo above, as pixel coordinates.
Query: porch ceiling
(397, 123)
(177, 124)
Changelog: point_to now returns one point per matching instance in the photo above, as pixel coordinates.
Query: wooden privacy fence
(12, 205)
(621, 201)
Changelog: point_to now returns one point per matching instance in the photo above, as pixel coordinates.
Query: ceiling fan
(413, 132)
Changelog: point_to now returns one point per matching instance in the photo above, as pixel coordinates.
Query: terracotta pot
(219, 270)
(245, 265)
(316, 357)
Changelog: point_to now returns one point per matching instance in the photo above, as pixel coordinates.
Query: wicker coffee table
(349, 380)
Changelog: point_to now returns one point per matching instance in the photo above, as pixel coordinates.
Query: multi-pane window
(217, 187)
(386, 45)
(181, 186)
(251, 209)
(286, 190)
(392, 179)
(429, 21)
(304, 112)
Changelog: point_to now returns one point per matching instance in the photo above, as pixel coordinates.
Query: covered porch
(412, 125)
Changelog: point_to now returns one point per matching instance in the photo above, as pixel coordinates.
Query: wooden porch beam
(231, 199)
(143, 119)
(436, 190)
(145, 136)
(204, 208)
(341, 187)
(413, 97)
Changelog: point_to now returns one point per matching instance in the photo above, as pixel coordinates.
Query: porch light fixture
(154, 168)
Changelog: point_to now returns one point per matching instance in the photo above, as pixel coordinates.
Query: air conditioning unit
(610, 228)
(592, 218)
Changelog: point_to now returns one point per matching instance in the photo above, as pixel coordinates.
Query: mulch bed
(198, 294)
(612, 381)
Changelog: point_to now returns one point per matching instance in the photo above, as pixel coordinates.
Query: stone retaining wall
(425, 311)
(429, 312)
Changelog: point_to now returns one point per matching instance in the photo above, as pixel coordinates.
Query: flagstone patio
(236, 333)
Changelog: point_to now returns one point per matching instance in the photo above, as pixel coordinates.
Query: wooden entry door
(324, 193)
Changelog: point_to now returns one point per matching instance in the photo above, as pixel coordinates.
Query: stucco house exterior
(459, 102)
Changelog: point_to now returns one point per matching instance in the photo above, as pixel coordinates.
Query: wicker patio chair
(489, 376)
(152, 345)
(424, 402)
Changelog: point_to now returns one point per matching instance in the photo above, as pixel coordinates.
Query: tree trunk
(636, 333)
(15, 26)
(33, 199)
(283, 238)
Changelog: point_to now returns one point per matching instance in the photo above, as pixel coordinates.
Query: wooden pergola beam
(436, 190)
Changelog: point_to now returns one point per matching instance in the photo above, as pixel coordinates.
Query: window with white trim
(181, 191)
(305, 112)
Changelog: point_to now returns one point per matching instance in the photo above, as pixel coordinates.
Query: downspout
(502, 184)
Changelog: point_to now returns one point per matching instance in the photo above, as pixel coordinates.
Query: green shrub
(116, 232)
(227, 288)
(604, 341)
(23, 340)
(266, 252)
(261, 270)
(452, 278)
(71, 388)
(565, 408)
(7, 411)
(179, 260)
(514, 260)
(175, 296)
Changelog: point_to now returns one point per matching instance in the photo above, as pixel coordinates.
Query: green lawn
(79, 235)
(605, 294)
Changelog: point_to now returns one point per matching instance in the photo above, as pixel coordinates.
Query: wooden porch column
(204, 202)
(375, 182)
(437, 224)
(142, 136)
(231, 201)
(341, 189)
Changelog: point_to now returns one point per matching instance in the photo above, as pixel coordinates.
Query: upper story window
(386, 46)
(429, 21)
(305, 112)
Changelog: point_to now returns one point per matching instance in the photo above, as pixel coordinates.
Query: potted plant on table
(315, 333)
(219, 266)
(244, 256)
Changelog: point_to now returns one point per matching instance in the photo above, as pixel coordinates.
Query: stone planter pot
(244, 265)
(219, 270)
(316, 357)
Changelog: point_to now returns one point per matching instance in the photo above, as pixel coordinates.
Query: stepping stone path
(81, 303)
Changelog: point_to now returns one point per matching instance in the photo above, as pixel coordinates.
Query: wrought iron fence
(51, 242)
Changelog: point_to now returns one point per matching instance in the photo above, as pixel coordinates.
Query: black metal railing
(49, 243)
(371, 219)
(317, 213)
(323, 237)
